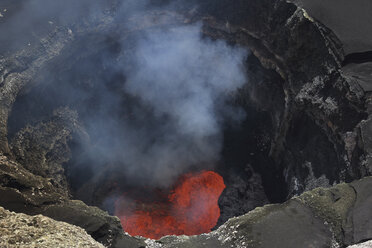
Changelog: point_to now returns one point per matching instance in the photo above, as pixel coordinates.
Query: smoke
(186, 80)
(155, 108)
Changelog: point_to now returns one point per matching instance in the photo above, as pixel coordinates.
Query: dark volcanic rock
(360, 216)
(43, 149)
(361, 73)
(308, 56)
(350, 21)
(241, 195)
(22, 191)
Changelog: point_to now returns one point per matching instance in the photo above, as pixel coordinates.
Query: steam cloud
(188, 80)
(167, 114)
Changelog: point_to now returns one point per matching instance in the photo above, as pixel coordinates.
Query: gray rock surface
(103, 227)
(362, 73)
(349, 20)
(367, 244)
(22, 191)
(21, 230)
(360, 215)
(43, 148)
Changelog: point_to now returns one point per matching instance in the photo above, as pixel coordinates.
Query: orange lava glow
(190, 208)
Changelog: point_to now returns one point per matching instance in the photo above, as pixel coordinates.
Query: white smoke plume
(167, 114)
(186, 79)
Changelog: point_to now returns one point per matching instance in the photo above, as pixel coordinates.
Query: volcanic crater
(293, 123)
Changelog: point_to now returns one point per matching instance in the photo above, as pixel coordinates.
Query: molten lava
(190, 208)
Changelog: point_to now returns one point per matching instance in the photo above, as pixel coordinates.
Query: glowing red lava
(190, 208)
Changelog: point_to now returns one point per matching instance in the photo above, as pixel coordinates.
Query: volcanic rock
(319, 119)
(367, 244)
(43, 148)
(317, 96)
(318, 218)
(360, 213)
(241, 196)
(350, 21)
(24, 192)
(21, 230)
(321, 217)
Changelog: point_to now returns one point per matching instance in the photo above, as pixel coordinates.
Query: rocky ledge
(22, 191)
(324, 217)
(367, 244)
(21, 230)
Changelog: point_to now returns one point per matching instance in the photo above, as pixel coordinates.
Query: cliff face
(315, 101)
(330, 100)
